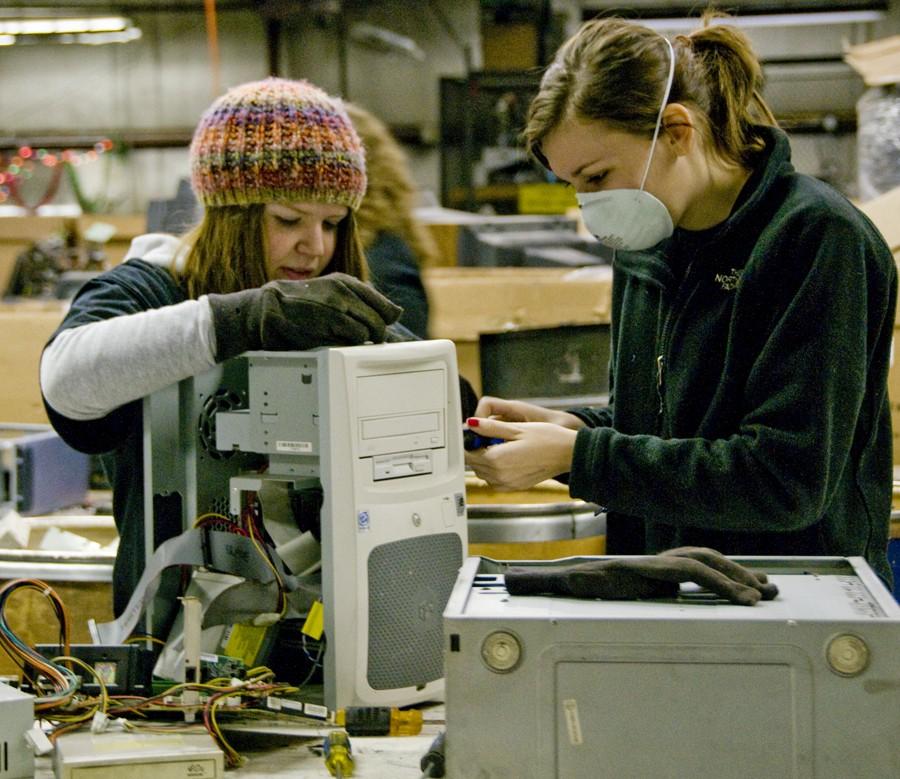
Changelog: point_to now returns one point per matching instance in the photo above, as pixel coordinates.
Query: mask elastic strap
(662, 108)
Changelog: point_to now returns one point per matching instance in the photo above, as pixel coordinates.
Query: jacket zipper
(661, 358)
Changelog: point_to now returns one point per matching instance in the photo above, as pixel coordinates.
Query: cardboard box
(465, 302)
(26, 327)
(878, 62)
(30, 228)
(884, 211)
(446, 238)
(511, 46)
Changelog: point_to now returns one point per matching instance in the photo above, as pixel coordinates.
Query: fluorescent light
(770, 20)
(64, 25)
(88, 30)
(98, 24)
(99, 38)
(27, 27)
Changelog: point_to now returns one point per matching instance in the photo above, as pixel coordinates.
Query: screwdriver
(473, 441)
(432, 764)
(379, 721)
(338, 755)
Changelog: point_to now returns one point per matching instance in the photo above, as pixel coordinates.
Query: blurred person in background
(396, 244)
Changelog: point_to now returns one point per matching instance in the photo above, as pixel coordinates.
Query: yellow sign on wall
(546, 198)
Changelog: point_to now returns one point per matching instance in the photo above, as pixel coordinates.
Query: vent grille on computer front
(409, 585)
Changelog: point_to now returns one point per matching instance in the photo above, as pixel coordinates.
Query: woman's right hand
(519, 411)
(336, 309)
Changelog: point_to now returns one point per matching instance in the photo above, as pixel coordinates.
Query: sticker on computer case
(573, 722)
(294, 447)
(362, 520)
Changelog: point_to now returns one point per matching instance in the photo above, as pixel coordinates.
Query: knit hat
(277, 140)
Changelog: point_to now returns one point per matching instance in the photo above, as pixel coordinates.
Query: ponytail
(732, 78)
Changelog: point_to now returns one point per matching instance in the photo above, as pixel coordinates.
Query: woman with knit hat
(275, 263)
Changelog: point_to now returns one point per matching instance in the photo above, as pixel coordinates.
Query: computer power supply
(86, 755)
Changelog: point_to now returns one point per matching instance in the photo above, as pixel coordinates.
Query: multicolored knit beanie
(277, 141)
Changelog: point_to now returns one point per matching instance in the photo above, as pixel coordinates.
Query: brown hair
(390, 197)
(226, 252)
(615, 71)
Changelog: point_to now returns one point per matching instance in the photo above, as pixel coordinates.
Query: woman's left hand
(531, 453)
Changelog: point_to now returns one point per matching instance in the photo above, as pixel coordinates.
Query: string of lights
(22, 164)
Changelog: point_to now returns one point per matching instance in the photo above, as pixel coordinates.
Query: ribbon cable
(213, 549)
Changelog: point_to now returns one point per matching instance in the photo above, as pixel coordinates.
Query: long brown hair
(226, 252)
(390, 195)
(615, 71)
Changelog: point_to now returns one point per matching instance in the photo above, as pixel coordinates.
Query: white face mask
(630, 219)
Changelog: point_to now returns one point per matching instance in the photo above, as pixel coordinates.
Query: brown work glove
(655, 576)
(336, 309)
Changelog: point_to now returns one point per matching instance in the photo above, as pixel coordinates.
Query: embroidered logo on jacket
(729, 281)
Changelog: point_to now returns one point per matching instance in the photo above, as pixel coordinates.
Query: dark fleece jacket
(749, 408)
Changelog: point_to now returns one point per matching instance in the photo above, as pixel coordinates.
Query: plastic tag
(315, 621)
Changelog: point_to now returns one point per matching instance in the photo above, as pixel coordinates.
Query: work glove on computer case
(332, 310)
(656, 576)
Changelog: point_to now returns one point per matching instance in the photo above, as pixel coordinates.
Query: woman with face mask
(752, 313)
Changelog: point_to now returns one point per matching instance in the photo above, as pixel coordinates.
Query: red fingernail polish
(472, 422)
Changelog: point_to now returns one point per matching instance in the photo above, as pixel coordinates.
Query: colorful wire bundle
(250, 525)
(253, 522)
(35, 667)
(220, 693)
(215, 521)
(56, 686)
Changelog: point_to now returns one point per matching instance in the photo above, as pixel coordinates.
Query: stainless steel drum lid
(55, 565)
(498, 523)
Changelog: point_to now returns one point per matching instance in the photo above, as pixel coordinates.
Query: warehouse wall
(399, 89)
(163, 82)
